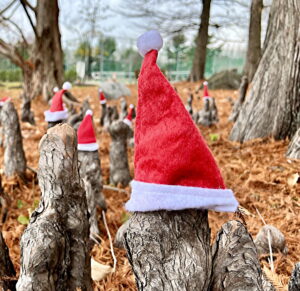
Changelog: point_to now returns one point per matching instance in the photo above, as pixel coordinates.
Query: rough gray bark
(14, 157)
(119, 168)
(54, 247)
(198, 69)
(272, 107)
(254, 46)
(169, 250)
(27, 115)
(294, 283)
(235, 260)
(242, 95)
(7, 271)
(214, 111)
(293, 151)
(118, 242)
(4, 203)
(277, 239)
(123, 108)
(90, 173)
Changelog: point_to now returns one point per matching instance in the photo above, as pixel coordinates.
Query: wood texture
(169, 250)
(235, 260)
(54, 247)
(27, 114)
(294, 283)
(272, 107)
(90, 173)
(293, 151)
(14, 156)
(119, 168)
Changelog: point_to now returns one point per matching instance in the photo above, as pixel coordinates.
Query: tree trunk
(123, 108)
(272, 107)
(27, 114)
(119, 168)
(254, 46)
(54, 247)
(14, 156)
(198, 69)
(90, 173)
(47, 55)
(103, 114)
(273, 104)
(294, 284)
(169, 250)
(293, 151)
(7, 271)
(238, 104)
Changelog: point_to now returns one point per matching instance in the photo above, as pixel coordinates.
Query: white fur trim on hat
(100, 90)
(131, 106)
(102, 101)
(56, 116)
(55, 89)
(150, 40)
(205, 83)
(89, 112)
(2, 103)
(152, 197)
(127, 121)
(67, 86)
(88, 147)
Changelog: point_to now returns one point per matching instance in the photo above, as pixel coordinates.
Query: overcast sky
(126, 30)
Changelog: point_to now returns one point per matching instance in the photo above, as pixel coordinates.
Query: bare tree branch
(7, 7)
(29, 5)
(23, 2)
(11, 53)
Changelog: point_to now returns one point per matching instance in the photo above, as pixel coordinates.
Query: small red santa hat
(86, 134)
(128, 119)
(102, 97)
(174, 168)
(205, 90)
(3, 100)
(57, 110)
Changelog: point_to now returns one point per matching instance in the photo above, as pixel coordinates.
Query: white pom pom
(205, 83)
(100, 90)
(131, 106)
(89, 112)
(150, 40)
(55, 89)
(67, 86)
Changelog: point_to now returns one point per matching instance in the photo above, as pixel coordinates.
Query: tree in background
(254, 39)
(42, 68)
(272, 107)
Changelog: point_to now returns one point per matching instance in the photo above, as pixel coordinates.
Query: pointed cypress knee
(54, 247)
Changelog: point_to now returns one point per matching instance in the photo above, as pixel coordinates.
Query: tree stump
(54, 123)
(54, 247)
(204, 115)
(27, 115)
(123, 108)
(7, 271)
(75, 119)
(90, 173)
(189, 106)
(14, 156)
(238, 104)
(169, 250)
(103, 113)
(214, 110)
(107, 117)
(115, 113)
(294, 284)
(119, 168)
(235, 260)
(293, 151)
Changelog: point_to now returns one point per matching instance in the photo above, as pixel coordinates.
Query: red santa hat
(128, 119)
(57, 111)
(3, 100)
(205, 90)
(86, 134)
(174, 168)
(102, 97)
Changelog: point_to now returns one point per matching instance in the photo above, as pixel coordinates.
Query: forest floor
(257, 171)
